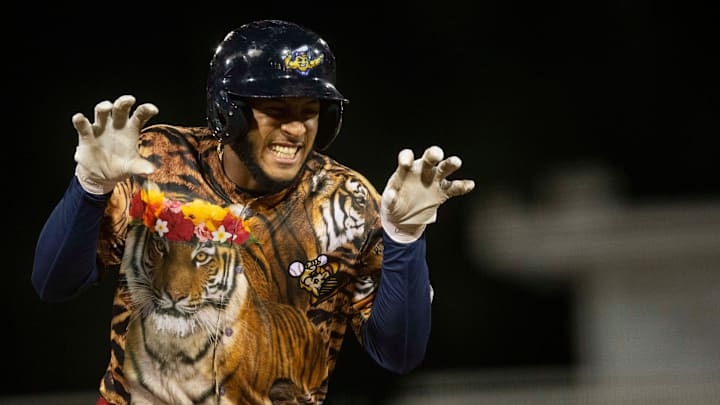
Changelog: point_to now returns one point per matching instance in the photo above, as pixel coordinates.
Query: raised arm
(398, 330)
(65, 253)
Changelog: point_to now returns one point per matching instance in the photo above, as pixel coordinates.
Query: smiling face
(281, 136)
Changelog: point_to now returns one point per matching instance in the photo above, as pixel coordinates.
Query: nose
(294, 128)
(176, 295)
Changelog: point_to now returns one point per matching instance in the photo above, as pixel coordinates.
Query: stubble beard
(244, 148)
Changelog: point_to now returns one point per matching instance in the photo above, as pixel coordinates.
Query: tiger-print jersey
(251, 314)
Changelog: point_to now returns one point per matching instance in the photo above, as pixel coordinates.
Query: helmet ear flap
(238, 119)
(229, 117)
(329, 122)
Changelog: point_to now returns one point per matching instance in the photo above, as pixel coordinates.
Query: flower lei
(196, 220)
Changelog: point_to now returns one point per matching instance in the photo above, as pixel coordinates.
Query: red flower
(137, 206)
(235, 226)
(241, 235)
(230, 223)
(179, 228)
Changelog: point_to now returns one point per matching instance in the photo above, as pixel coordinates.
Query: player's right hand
(107, 149)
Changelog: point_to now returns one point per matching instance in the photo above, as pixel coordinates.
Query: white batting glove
(107, 149)
(415, 191)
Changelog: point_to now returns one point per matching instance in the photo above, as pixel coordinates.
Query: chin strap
(220, 150)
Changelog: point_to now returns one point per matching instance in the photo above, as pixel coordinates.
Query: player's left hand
(416, 190)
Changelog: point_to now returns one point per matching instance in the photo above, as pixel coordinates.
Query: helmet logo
(300, 61)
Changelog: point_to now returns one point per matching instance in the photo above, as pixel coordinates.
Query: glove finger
(121, 110)
(389, 199)
(432, 155)
(447, 167)
(102, 113)
(405, 159)
(457, 187)
(143, 114)
(430, 158)
(82, 126)
(405, 162)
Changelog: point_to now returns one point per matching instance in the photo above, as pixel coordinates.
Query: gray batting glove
(107, 149)
(416, 190)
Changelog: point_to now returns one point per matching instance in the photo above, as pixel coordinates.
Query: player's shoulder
(334, 172)
(175, 135)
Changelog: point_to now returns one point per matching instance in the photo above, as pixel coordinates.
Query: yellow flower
(153, 198)
(200, 211)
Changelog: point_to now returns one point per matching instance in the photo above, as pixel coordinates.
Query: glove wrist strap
(402, 233)
(93, 186)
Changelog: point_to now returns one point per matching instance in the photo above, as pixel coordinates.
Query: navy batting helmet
(270, 59)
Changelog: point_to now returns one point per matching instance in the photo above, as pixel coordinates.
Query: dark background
(514, 88)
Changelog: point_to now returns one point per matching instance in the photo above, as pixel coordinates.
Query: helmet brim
(289, 86)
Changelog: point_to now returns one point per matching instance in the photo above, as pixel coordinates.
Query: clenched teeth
(285, 152)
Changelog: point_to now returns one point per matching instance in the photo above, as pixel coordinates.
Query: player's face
(278, 141)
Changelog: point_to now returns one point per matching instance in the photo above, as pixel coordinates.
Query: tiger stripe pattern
(199, 322)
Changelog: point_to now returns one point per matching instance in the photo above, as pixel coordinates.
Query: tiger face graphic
(183, 288)
(342, 217)
(200, 334)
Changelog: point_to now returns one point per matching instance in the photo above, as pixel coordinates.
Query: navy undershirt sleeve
(65, 261)
(397, 332)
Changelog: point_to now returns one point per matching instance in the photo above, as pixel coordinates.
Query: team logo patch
(301, 61)
(317, 276)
